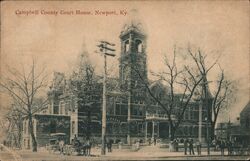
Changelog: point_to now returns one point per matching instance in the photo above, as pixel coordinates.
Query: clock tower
(133, 59)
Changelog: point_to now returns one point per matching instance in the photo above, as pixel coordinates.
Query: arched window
(138, 45)
(127, 46)
(73, 127)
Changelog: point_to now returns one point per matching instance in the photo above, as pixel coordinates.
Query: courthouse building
(130, 116)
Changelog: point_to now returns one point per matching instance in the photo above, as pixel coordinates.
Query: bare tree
(24, 87)
(175, 102)
(14, 129)
(87, 89)
(223, 93)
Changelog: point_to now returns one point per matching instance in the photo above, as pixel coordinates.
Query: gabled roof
(246, 108)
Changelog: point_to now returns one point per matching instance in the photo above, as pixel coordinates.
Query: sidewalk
(154, 151)
(145, 153)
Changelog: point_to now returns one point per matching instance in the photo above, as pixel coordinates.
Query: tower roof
(133, 23)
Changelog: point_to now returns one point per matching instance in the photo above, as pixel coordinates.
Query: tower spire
(133, 23)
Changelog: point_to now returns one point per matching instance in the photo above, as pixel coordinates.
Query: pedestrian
(88, 148)
(198, 146)
(137, 144)
(75, 141)
(229, 147)
(185, 146)
(191, 147)
(218, 143)
(109, 145)
(75, 138)
(214, 142)
(61, 145)
(154, 141)
(120, 145)
(182, 140)
(149, 142)
(222, 147)
(176, 145)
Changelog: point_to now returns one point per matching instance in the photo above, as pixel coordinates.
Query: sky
(55, 40)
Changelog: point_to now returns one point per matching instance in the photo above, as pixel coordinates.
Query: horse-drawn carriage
(58, 144)
(78, 148)
(55, 142)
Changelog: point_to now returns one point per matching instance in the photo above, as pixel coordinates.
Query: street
(145, 153)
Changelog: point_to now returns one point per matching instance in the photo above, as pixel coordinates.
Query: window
(109, 128)
(28, 141)
(140, 128)
(56, 109)
(185, 130)
(186, 115)
(124, 110)
(118, 109)
(134, 110)
(138, 45)
(73, 127)
(126, 46)
(73, 105)
(196, 131)
(24, 141)
(67, 106)
(122, 74)
(25, 127)
(191, 113)
(52, 126)
(60, 108)
(66, 109)
(124, 128)
(247, 122)
(190, 130)
(140, 111)
(110, 109)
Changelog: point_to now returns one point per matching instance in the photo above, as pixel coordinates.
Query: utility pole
(207, 106)
(200, 120)
(207, 138)
(205, 86)
(104, 49)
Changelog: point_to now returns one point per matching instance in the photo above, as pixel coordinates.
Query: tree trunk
(212, 131)
(172, 133)
(172, 147)
(88, 126)
(34, 143)
(20, 127)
